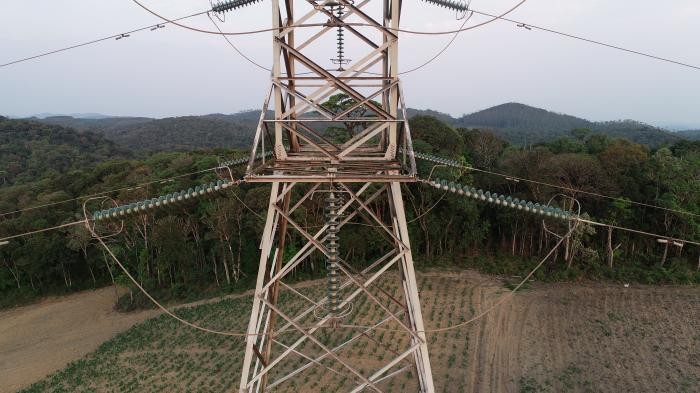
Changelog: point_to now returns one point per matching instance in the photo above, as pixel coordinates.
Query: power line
(168, 311)
(70, 224)
(111, 37)
(243, 55)
(239, 161)
(126, 188)
(408, 31)
(125, 210)
(489, 309)
(152, 299)
(591, 41)
(419, 32)
(456, 164)
(416, 68)
(637, 231)
(454, 37)
(535, 208)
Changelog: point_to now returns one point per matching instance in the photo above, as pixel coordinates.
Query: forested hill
(170, 134)
(29, 150)
(514, 117)
(522, 124)
(693, 135)
(517, 123)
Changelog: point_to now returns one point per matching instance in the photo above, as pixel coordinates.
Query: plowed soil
(42, 338)
(574, 337)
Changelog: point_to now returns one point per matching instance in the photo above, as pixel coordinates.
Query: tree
(223, 218)
(619, 212)
(79, 240)
(440, 136)
(484, 147)
(12, 267)
(343, 103)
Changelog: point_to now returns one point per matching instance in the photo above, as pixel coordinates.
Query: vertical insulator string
(340, 59)
(333, 276)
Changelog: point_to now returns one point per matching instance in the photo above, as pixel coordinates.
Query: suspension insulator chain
(333, 271)
(455, 5)
(229, 5)
(340, 59)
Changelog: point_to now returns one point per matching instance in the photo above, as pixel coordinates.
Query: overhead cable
(152, 299)
(53, 228)
(420, 32)
(126, 188)
(232, 45)
(454, 37)
(529, 26)
(117, 36)
(133, 187)
(417, 32)
(457, 164)
(123, 211)
(536, 208)
(502, 200)
(488, 310)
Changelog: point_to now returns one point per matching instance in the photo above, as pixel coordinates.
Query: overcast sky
(174, 72)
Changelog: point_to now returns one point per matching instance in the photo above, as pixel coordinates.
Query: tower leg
(410, 286)
(253, 340)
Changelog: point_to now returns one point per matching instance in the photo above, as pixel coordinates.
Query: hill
(515, 117)
(30, 150)
(175, 133)
(522, 124)
(693, 135)
(100, 126)
(517, 123)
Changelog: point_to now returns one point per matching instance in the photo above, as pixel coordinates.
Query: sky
(175, 72)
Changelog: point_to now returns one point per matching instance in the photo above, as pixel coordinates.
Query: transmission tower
(351, 174)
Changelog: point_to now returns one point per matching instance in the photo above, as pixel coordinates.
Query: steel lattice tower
(367, 167)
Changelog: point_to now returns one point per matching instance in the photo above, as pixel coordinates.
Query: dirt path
(42, 338)
(39, 339)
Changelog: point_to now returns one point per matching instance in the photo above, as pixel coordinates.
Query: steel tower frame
(367, 167)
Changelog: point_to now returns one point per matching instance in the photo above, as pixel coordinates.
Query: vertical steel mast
(358, 173)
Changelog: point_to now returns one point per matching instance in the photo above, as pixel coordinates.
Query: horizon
(175, 72)
(666, 125)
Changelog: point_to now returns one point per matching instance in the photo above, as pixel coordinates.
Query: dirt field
(588, 338)
(40, 339)
(548, 338)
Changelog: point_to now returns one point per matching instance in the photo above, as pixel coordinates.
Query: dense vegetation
(171, 134)
(516, 123)
(693, 135)
(30, 151)
(212, 245)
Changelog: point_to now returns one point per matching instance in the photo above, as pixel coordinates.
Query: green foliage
(177, 133)
(440, 136)
(693, 135)
(30, 150)
(212, 246)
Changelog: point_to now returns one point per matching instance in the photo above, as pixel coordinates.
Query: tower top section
(335, 110)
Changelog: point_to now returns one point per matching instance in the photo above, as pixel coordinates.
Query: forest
(518, 124)
(210, 246)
